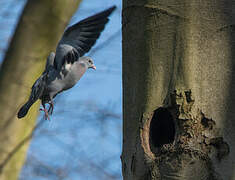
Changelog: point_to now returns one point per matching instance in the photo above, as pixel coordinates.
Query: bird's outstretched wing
(80, 37)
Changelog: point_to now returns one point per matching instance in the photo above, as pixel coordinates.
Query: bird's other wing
(36, 92)
(50, 62)
(38, 87)
(80, 37)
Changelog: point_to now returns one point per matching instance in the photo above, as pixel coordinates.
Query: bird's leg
(51, 108)
(45, 111)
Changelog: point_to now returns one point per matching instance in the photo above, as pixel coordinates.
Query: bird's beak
(93, 67)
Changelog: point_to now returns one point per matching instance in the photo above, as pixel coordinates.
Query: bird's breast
(73, 75)
(66, 81)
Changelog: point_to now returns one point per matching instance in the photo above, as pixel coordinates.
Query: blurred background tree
(83, 138)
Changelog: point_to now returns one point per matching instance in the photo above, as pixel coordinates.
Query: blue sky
(83, 138)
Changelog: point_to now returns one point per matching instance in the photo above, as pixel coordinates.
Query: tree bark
(178, 84)
(39, 29)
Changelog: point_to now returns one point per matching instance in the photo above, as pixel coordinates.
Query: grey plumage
(65, 67)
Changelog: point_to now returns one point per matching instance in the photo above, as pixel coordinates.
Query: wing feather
(79, 38)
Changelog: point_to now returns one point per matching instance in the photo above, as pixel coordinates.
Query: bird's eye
(89, 61)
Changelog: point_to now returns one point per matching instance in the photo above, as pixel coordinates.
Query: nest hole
(162, 128)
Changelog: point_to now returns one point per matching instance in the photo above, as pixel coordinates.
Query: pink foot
(46, 113)
(51, 108)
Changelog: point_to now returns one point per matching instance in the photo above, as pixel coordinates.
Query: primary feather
(80, 37)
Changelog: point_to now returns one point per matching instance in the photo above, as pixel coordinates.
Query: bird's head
(89, 62)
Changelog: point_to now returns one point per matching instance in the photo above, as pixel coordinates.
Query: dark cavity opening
(162, 128)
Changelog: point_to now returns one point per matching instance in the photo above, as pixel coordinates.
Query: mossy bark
(178, 84)
(39, 29)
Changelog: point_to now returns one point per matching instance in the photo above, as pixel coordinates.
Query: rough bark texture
(178, 84)
(40, 27)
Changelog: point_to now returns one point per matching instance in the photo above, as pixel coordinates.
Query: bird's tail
(24, 109)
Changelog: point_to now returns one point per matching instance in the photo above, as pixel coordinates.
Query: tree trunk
(39, 29)
(178, 84)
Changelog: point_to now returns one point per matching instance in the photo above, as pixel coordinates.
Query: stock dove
(65, 67)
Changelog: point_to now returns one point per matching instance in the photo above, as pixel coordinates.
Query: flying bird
(66, 66)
